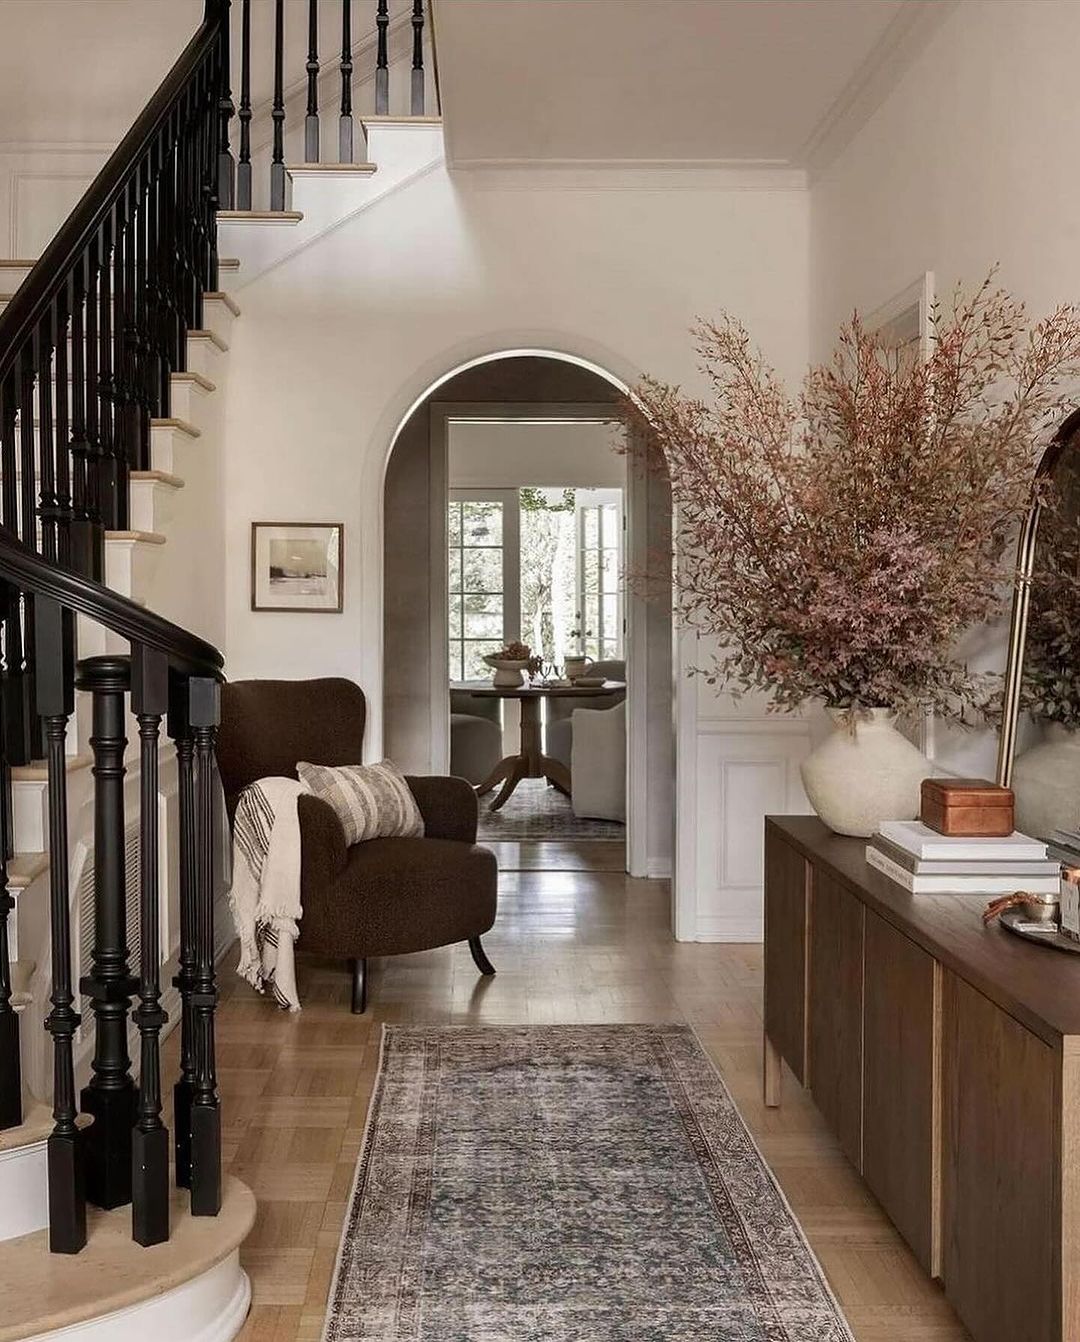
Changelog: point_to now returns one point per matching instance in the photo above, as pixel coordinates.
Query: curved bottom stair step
(24, 1203)
(191, 1289)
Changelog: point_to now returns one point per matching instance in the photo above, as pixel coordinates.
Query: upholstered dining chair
(382, 896)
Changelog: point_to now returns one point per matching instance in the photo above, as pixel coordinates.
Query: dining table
(530, 761)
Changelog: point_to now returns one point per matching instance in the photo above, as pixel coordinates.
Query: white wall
(338, 342)
(969, 161)
(504, 456)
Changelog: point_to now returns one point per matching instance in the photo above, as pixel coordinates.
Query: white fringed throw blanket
(265, 892)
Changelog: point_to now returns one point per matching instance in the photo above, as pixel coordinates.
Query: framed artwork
(297, 566)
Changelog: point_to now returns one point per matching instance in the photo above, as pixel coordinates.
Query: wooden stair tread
(158, 477)
(401, 120)
(173, 423)
(220, 296)
(143, 537)
(228, 263)
(22, 869)
(38, 770)
(36, 1125)
(314, 169)
(196, 378)
(259, 217)
(212, 336)
(42, 1292)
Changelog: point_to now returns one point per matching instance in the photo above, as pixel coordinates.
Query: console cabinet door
(1000, 1243)
(901, 1077)
(836, 1009)
(786, 885)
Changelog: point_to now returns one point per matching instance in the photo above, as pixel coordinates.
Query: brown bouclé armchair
(382, 897)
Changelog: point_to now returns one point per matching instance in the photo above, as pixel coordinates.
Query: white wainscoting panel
(746, 769)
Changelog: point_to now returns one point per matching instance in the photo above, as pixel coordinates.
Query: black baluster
(64, 512)
(47, 510)
(93, 432)
(277, 115)
(243, 171)
(144, 373)
(28, 521)
(28, 518)
(11, 1114)
(110, 386)
(150, 1142)
(130, 412)
(417, 100)
(67, 1146)
(204, 713)
(345, 121)
(110, 1096)
(86, 543)
(181, 733)
(226, 168)
(16, 683)
(311, 121)
(382, 61)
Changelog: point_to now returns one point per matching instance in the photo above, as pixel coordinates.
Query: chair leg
(479, 958)
(359, 987)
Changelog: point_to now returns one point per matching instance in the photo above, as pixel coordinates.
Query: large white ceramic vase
(864, 772)
(1046, 781)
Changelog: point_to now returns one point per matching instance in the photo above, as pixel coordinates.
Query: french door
(483, 535)
(599, 520)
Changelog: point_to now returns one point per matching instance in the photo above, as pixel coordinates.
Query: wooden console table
(946, 1058)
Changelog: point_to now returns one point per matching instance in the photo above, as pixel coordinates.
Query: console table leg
(773, 1067)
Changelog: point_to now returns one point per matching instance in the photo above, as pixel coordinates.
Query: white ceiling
(640, 81)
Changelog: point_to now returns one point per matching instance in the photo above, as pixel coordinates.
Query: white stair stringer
(24, 1197)
(325, 196)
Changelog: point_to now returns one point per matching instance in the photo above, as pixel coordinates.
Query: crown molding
(903, 40)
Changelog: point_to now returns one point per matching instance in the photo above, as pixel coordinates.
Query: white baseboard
(659, 869)
(739, 928)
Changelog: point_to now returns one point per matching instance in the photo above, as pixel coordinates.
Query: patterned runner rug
(537, 811)
(567, 1184)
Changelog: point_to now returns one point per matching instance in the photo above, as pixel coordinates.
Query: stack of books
(928, 863)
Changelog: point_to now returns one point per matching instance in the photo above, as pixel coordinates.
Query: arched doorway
(536, 387)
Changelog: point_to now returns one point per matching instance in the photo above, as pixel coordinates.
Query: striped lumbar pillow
(372, 801)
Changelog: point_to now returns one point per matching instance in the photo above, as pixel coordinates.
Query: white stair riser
(168, 448)
(149, 504)
(205, 357)
(187, 400)
(24, 1198)
(30, 817)
(211, 1308)
(130, 566)
(218, 317)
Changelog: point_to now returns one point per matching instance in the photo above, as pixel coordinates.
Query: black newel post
(243, 168)
(277, 115)
(417, 89)
(204, 713)
(180, 731)
(382, 61)
(66, 1150)
(150, 1142)
(345, 121)
(110, 1096)
(311, 121)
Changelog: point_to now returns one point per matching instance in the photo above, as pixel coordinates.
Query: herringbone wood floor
(576, 940)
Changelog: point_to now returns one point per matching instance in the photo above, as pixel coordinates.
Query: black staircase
(88, 346)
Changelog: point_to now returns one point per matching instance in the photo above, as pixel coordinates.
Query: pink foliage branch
(836, 545)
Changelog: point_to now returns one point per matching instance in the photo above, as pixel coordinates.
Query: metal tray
(1012, 917)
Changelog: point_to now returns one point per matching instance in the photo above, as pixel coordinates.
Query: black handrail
(53, 269)
(30, 572)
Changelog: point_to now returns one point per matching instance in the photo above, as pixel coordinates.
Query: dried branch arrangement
(836, 545)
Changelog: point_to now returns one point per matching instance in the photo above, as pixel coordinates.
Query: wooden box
(972, 807)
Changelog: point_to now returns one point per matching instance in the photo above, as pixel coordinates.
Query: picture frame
(298, 566)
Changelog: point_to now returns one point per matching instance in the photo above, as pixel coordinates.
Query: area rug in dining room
(567, 1183)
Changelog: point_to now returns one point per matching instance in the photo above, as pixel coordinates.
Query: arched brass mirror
(1039, 750)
